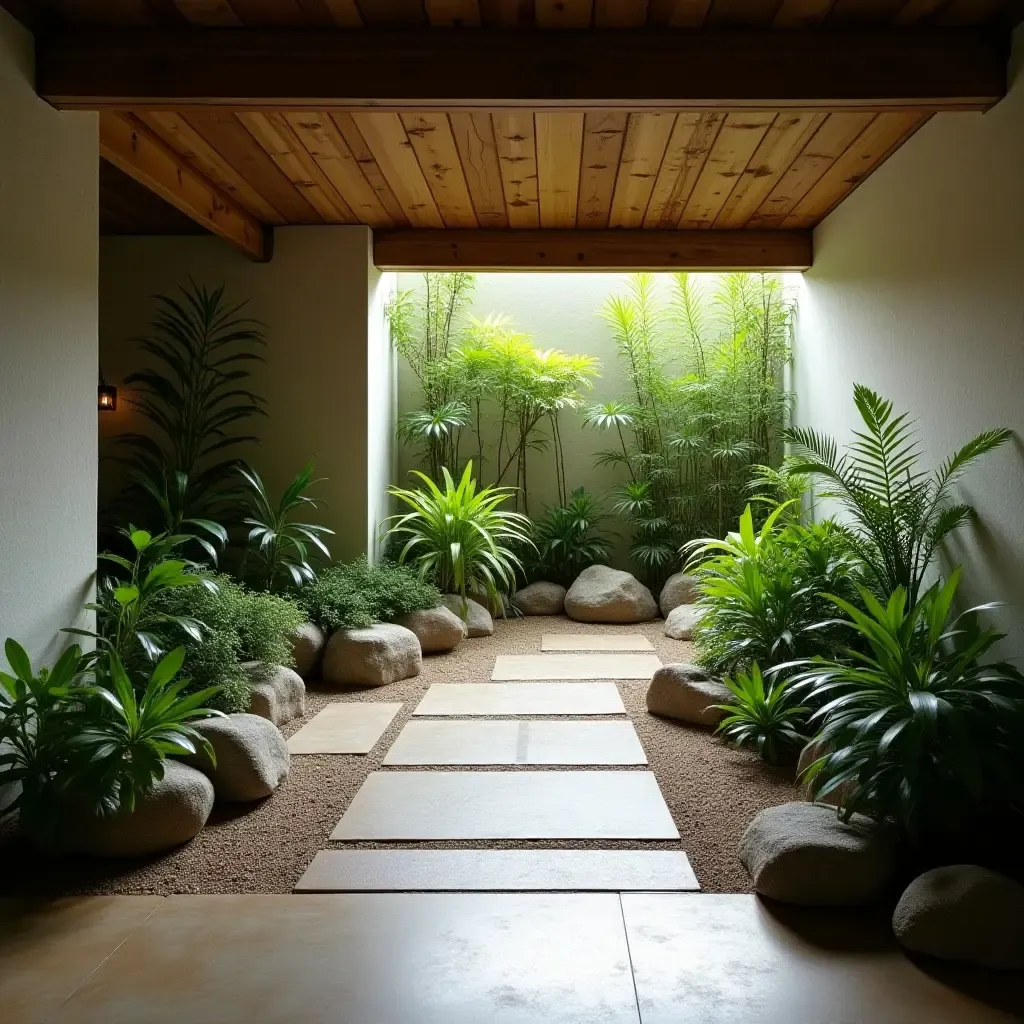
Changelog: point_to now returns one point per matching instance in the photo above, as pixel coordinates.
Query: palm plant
(435, 431)
(900, 514)
(459, 537)
(194, 399)
(568, 540)
(919, 730)
(764, 715)
(282, 547)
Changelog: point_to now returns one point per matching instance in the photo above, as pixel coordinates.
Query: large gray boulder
(802, 853)
(437, 629)
(174, 812)
(374, 656)
(540, 598)
(603, 594)
(252, 757)
(687, 693)
(963, 912)
(478, 618)
(308, 643)
(679, 589)
(278, 693)
(680, 622)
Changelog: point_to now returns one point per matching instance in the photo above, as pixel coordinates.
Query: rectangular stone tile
(47, 949)
(575, 666)
(525, 742)
(369, 958)
(595, 642)
(507, 805)
(344, 727)
(498, 871)
(447, 699)
(731, 959)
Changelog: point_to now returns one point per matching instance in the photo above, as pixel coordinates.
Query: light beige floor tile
(344, 727)
(521, 699)
(507, 805)
(595, 642)
(498, 871)
(48, 949)
(575, 666)
(724, 959)
(369, 958)
(525, 742)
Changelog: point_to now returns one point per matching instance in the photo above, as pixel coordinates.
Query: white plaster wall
(917, 290)
(315, 299)
(48, 267)
(381, 407)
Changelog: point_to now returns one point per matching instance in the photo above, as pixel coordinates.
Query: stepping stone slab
(507, 805)
(344, 727)
(498, 871)
(595, 642)
(516, 743)
(575, 666)
(367, 958)
(449, 699)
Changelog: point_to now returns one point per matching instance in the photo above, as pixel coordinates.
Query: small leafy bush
(764, 714)
(358, 594)
(568, 540)
(237, 626)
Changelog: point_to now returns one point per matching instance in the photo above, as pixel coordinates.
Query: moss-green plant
(358, 594)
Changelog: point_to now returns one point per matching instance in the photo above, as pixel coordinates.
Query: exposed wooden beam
(132, 147)
(482, 69)
(592, 250)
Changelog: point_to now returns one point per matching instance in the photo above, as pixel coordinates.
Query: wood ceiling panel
(392, 12)
(559, 153)
(603, 135)
(564, 13)
(515, 137)
(507, 13)
(453, 12)
(430, 135)
(474, 136)
(325, 144)
(802, 13)
(209, 13)
(868, 151)
(692, 138)
(345, 13)
(371, 169)
(270, 13)
(620, 13)
(647, 136)
(388, 142)
(275, 135)
(915, 11)
(864, 12)
(782, 144)
(678, 13)
(725, 13)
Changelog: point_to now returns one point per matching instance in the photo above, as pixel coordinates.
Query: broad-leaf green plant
(763, 714)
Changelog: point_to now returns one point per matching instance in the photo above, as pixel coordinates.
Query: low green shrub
(764, 714)
(568, 540)
(357, 594)
(238, 626)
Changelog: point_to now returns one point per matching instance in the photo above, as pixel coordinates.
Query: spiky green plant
(765, 715)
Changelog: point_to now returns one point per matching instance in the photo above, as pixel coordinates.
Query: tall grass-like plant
(899, 513)
(458, 536)
(921, 731)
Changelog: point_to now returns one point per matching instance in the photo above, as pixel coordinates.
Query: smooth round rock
(252, 757)
(308, 643)
(963, 912)
(437, 629)
(680, 622)
(375, 656)
(278, 693)
(478, 618)
(174, 812)
(802, 853)
(688, 694)
(541, 598)
(603, 594)
(679, 589)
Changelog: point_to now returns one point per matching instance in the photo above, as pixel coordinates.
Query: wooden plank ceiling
(509, 169)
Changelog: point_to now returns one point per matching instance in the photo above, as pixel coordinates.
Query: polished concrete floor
(470, 958)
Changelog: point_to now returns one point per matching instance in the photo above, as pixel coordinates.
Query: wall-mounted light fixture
(107, 395)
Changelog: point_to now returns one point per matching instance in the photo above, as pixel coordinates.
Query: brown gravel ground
(712, 790)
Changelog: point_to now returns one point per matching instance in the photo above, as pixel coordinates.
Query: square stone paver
(575, 666)
(521, 699)
(412, 805)
(595, 642)
(498, 871)
(368, 958)
(344, 727)
(526, 742)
